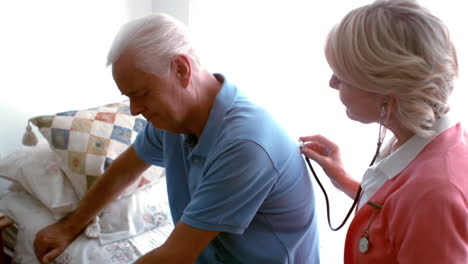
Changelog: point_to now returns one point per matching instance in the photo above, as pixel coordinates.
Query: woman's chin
(357, 118)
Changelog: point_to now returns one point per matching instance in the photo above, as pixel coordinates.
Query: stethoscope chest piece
(364, 240)
(363, 244)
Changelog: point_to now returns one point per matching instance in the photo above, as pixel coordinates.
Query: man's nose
(135, 107)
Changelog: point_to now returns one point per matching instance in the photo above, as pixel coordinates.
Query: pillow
(4, 186)
(88, 140)
(36, 170)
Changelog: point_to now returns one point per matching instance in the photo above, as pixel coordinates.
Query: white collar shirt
(389, 165)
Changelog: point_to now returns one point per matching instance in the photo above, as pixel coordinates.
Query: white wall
(176, 8)
(53, 56)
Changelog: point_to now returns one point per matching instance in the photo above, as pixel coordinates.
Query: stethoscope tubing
(356, 198)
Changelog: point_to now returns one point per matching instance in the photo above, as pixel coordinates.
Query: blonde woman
(394, 64)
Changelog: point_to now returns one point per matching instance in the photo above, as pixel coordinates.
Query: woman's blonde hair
(397, 47)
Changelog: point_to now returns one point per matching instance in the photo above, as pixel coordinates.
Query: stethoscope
(364, 241)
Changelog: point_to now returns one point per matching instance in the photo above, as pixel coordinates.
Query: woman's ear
(182, 68)
(390, 104)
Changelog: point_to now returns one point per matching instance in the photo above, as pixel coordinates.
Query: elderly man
(239, 191)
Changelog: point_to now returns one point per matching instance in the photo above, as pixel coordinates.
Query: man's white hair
(153, 41)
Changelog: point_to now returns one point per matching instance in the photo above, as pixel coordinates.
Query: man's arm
(54, 239)
(184, 245)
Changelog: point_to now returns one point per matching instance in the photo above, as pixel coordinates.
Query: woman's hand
(327, 155)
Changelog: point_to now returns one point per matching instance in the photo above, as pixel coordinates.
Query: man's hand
(4, 221)
(52, 240)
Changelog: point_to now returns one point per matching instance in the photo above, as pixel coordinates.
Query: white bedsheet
(31, 216)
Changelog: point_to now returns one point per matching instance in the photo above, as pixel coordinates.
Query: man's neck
(208, 86)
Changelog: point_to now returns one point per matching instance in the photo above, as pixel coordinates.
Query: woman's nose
(333, 83)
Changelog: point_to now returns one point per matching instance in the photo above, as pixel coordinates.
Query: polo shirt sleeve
(233, 188)
(433, 227)
(148, 145)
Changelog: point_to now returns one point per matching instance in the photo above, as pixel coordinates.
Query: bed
(44, 180)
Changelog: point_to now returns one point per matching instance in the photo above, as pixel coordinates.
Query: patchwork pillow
(88, 140)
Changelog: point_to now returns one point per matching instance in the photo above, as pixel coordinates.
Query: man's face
(158, 99)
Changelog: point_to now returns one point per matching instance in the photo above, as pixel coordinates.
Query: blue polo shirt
(243, 177)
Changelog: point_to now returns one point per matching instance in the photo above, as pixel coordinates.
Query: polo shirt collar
(222, 103)
(397, 161)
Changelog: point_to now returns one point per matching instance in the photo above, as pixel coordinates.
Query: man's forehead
(128, 81)
(130, 86)
(124, 64)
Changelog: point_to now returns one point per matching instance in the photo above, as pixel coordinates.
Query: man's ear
(182, 67)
